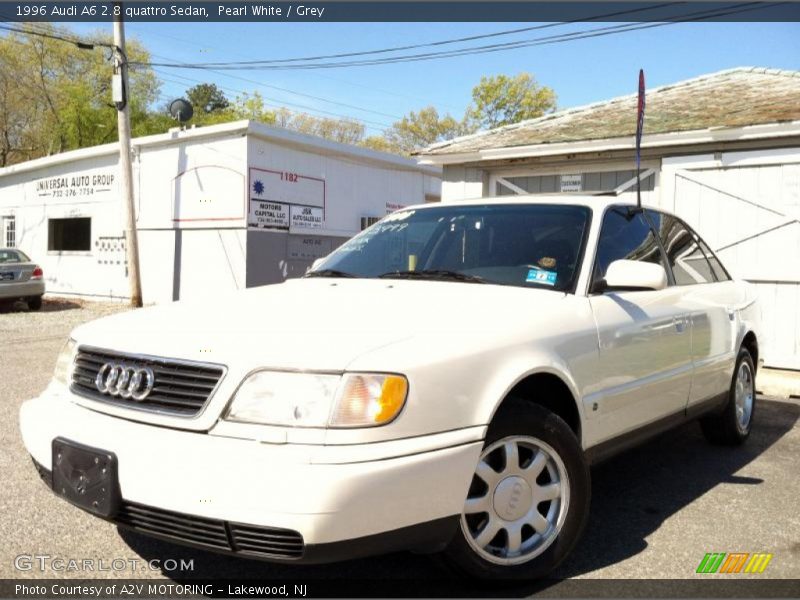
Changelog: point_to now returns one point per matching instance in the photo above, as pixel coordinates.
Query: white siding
(746, 205)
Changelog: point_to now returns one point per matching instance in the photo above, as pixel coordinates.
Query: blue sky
(579, 71)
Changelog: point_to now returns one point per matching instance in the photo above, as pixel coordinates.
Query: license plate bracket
(87, 477)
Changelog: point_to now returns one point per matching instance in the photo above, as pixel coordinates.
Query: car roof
(597, 201)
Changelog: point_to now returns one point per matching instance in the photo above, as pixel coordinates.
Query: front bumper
(338, 510)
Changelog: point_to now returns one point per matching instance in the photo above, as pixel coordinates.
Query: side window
(719, 271)
(625, 236)
(685, 258)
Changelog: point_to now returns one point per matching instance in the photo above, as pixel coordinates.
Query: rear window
(13, 256)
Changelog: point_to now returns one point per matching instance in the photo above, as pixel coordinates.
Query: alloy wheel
(517, 502)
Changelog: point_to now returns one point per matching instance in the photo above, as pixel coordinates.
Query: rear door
(644, 341)
(710, 298)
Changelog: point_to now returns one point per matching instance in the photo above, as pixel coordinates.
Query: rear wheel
(528, 500)
(732, 425)
(35, 302)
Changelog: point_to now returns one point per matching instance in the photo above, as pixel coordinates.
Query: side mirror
(632, 275)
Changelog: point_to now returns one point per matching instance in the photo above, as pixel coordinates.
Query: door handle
(680, 324)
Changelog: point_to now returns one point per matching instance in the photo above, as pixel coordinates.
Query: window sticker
(541, 276)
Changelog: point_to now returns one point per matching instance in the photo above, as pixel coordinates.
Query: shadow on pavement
(633, 494)
(48, 305)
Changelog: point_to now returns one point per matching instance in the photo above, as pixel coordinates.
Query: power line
(302, 106)
(440, 42)
(277, 103)
(295, 92)
(372, 88)
(282, 89)
(280, 104)
(83, 45)
(597, 32)
(396, 94)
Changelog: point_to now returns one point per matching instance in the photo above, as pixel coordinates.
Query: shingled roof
(732, 98)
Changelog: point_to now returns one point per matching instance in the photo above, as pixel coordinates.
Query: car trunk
(15, 272)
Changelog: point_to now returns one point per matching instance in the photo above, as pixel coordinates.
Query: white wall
(746, 205)
(191, 217)
(462, 183)
(80, 189)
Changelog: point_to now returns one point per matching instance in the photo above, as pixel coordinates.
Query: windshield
(12, 256)
(526, 245)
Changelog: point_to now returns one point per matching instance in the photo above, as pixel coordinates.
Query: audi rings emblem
(125, 381)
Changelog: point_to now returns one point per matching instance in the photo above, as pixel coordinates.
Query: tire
(731, 426)
(544, 443)
(34, 302)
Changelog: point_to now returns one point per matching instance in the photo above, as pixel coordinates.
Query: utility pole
(120, 87)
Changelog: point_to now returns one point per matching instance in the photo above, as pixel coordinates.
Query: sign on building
(285, 200)
(572, 183)
(307, 248)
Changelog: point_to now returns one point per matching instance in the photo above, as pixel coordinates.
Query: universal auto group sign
(74, 185)
(284, 200)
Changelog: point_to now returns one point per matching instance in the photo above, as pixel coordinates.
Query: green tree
(501, 100)
(57, 97)
(419, 129)
(380, 143)
(207, 98)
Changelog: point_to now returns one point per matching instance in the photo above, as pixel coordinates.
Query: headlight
(63, 370)
(318, 400)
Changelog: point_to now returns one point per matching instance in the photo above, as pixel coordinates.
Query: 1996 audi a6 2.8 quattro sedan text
(441, 382)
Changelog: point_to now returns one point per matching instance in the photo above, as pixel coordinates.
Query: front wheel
(529, 497)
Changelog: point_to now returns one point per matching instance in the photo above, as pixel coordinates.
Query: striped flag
(640, 119)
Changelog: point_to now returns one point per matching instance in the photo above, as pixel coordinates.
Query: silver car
(20, 279)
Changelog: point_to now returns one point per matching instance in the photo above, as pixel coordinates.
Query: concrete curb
(778, 383)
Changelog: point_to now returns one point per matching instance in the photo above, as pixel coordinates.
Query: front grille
(181, 388)
(266, 541)
(214, 534)
(173, 525)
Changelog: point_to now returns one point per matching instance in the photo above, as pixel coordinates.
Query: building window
(10, 231)
(369, 222)
(69, 235)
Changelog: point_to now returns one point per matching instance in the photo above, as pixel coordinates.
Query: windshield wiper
(434, 274)
(329, 273)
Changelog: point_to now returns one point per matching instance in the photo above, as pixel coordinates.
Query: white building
(217, 208)
(722, 151)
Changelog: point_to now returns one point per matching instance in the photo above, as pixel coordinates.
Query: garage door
(749, 214)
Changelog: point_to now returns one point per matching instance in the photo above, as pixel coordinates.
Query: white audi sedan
(441, 382)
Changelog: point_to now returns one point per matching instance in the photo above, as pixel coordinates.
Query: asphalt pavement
(656, 510)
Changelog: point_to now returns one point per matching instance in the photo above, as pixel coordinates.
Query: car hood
(314, 324)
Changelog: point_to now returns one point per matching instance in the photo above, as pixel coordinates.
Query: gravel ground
(655, 511)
